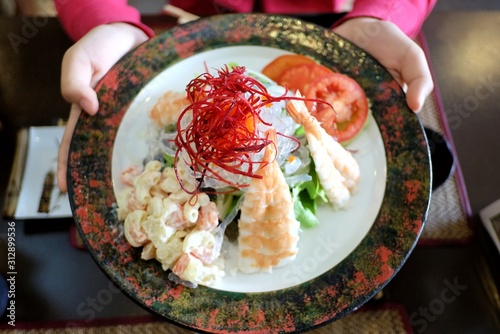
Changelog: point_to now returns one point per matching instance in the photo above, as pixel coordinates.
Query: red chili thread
(225, 113)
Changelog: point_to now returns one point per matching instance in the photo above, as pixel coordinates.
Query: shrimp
(268, 230)
(167, 109)
(177, 219)
(128, 176)
(134, 233)
(200, 244)
(191, 269)
(208, 218)
(337, 169)
(133, 203)
(185, 262)
(343, 160)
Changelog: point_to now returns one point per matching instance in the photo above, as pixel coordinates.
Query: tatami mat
(448, 219)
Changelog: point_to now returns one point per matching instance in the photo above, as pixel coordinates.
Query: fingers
(418, 91)
(62, 158)
(417, 76)
(76, 78)
(402, 57)
(89, 59)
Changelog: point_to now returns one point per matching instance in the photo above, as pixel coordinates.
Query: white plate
(358, 251)
(321, 247)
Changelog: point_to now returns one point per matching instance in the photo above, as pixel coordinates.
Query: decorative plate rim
(339, 291)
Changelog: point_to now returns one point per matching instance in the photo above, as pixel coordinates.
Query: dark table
(57, 282)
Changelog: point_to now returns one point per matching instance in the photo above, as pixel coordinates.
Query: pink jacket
(78, 17)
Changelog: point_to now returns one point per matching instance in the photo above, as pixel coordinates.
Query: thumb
(417, 92)
(62, 158)
(416, 74)
(82, 95)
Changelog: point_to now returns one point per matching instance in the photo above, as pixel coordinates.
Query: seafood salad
(235, 159)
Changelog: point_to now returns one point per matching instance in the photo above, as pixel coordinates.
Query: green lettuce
(306, 198)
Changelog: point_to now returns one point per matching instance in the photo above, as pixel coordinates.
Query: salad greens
(306, 198)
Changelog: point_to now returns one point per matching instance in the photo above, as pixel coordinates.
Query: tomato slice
(299, 77)
(350, 106)
(275, 69)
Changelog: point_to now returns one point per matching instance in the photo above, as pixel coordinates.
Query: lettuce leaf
(306, 198)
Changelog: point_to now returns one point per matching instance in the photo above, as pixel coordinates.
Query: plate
(342, 263)
(342, 230)
(39, 175)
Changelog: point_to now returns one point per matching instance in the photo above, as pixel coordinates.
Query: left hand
(62, 158)
(398, 53)
(84, 64)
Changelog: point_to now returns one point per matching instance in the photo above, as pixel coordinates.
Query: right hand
(398, 53)
(83, 65)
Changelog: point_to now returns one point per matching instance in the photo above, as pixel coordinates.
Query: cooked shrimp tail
(268, 229)
(167, 109)
(343, 160)
(336, 175)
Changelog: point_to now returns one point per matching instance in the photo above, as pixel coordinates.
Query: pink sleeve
(79, 16)
(408, 15)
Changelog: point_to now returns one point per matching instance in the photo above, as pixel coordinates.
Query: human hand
(83, 65)
(398, 53)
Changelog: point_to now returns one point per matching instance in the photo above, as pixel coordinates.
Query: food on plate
(337, 170)
(268, 229)
(346, 110)
(277, 66)
(220, 134)
(346, 100)
(300, 77)
(175, 228)
(235, 148)
(167, 109)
